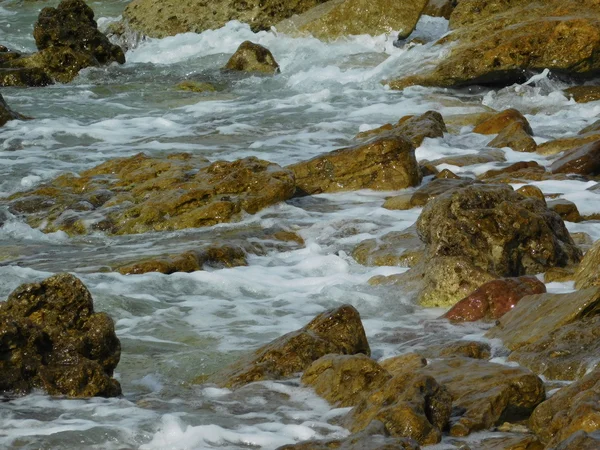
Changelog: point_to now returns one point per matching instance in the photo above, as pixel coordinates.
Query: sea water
(176, 328)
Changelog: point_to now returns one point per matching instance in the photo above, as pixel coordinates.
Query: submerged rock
(337, 331)
(7, 114)
(251, 57)
(51, 339)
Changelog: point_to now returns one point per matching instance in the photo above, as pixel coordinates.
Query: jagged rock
(386, 163)
(500, 121)
(573, 408)
(583, 94)
(494, 299)
(337, 18)
(251, 57)
(515, 137)
(337, 331)
(536, 316)
(344, 380)
(584, 160)
(467, 349)
(140, 194)
(171, 17)
(409, 405)
(7, 114)
(587, 274)
(486, 393)
(568, 143)
(51, 339)
(565, 209)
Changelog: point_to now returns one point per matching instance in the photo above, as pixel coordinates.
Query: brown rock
(573, 408)
(513, 168)
(344, 380)
(535, 192)
(511, 443)
(447, 174)
(51, 339)
(251, 57)
(426, 192)
(440, 8)
(536, 316)
(486, 392)
(398, 202)
(559, 274)
(386, 163)
(471, 11)
(501, 121)
(581, 441)
(583, 94)
(587, 274)
(515, 137)
(398, 248)
(584, 160)
(467, 349)
(494, 299)
(569, 143)
(565, 209)
(407, 363)
(337, 331)
(195, 86)
(483, 157)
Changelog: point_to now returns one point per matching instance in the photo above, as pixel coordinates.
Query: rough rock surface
(403, 248)
(583, 94)
(337, 331)
(140, 194)
(568, 143)
(494, 299)
(386, 163)
(500, 121)
(486, 393)
(581, 441)
(468, 349)
(24, 76)
(51, 339)
(440, 8)
(406, 363)
(251, 57)
(573, 408)
(337, 18)
(6, 113)
(587, 274)
(515, 137)
(584, 160)
(171, 17)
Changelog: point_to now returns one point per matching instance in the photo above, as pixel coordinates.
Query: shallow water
(176, 328)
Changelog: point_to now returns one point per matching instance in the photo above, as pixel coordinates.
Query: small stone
(251, 57)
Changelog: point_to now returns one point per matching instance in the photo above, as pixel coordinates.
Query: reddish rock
(494, 299)
(584, 160)
(500, 121)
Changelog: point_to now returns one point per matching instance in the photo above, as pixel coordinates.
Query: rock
(440, 8)
(416, 128)
(559, 274)
(338, 18)
(514, 137)
(483, 157)
(536, 316)
(386, 163)
(471, 11)
(486, 393)
(195, 86)
(51, 339)
(171, 17)
(409, 405)
(568, 143)
(587, 274)
(567, 353)
(584, 160)
(583, 94)
(494, 299)
(535, 192)
(23, 77)
(500, 121)
(513, 168)
(251, 57)
(140, 194)
(6, 113)
(521, 172)
(594, 126)
(398, 248)
(337, 331)
(407, 363)
(565, 209)
(344, 380)
(510, 443)
(573, 408)
(581, 441)
(426, 192)
(467, 349)
(446, 174)
(398, 202)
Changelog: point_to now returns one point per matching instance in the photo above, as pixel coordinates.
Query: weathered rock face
(251, 57)
(584, 160)
(344, 380)
(494, 299)
(51, 339)
(573, 408)
(337, 18)
(409, 405)
(337, 331)
(485, 392)
(386, 163)
(587, 274)
(141, 194)
(171, 17)
(467, 349)
(6, 113)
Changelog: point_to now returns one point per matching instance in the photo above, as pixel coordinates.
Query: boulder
(494, 299)
(140, 194)
(251, 57)
(171, 17)
(536, 316)
(573, 408)
(485, 394)
(338, 18)
(344, 380)
(409, 405)
(386, 163)
(515, 137)
(500, 121)
(587, 274)
(338, 331)
(51, 339)
(583, 94)
(7, 114)
(584, 160)
(405, 363)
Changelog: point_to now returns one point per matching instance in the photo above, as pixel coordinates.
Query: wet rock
(140, 194)
(567, 353)
(565, 209)
(583, 94)
(386, 163)
(409, 405)
(510, 443)
(500, 121)
(338, 331)
(440, 8)
(584, 160)
(494, 299)
(587, 274)
(446, 174)
(51, 339)
(559, 274)
(486, 393)
(573, 408)
(426, 193)
(537, 316)
(467, 349)
(568, 143)
(337, 18)
(23, 77)
(530, 169)
(251, 57)
(407, 363)
(483, 157)
(171, 17)
(398, 202)
(344, 380)
(535, 192)
(195, 86)
(403, 248)
(6, 113)
(514, 137)
(581, 441)
(594, 126)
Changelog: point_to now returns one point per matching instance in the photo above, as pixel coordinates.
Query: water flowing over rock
(337, 18)
(386, 163)
(398, 248)
(251, 57)
(337, 331)
(141, 194)
(7, 114)
(51, 339)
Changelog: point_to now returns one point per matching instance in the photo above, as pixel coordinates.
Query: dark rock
(584, 160)
(251, 57)
(565, 209)
(6, 113)
(23, 77)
